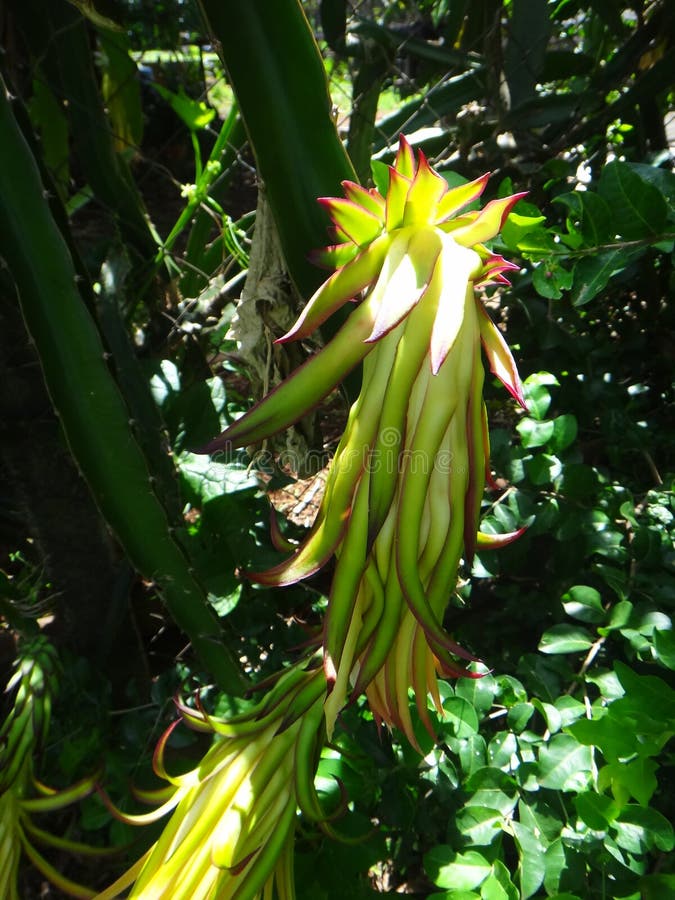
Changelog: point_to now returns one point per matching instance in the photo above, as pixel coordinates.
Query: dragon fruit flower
(232, 819)
(403, 493)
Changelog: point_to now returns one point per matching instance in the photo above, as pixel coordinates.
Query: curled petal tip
(279, 541)
(513, 199)
(495, 541)
(500, 359)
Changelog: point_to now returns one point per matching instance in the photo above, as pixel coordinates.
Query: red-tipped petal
(495, 541)
(493, 266)
(399, 186)
(405, 158)
(459, 197)
(408, 281)
(304, 388)
(342, 286)
(279, 541)
(457, 266)
(426, 190)
(499, 357)
(158, 755)
(360, 225)
(487, 223)
(370, 200)
(311, 556)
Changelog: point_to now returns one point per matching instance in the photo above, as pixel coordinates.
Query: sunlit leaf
(563, 760)
(584, 603)
(565, 639)
(459, 871)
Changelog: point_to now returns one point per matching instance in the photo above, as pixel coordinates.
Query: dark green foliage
(550, 776)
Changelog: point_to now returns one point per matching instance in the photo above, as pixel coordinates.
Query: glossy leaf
(459, 871)
(564, 761)
(565, 639)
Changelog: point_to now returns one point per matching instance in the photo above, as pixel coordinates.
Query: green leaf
(380, 176)
(479, 826)
(459, 718)
(543, 468)
(607, 683)
(579, 481)
(492, 789)
(519, 715)
(550, 279)
(592, 273)
(551, 715)
(210, 479)
(584, 603)
(608, 734)
(510, 690)
(638, 208)
(479, 692)
(555, 862)
(662, 179)
(524, 219)
(533, 433)
(639, 830)
(619, 616)
(613, 577)
(647, 692)
(634, 779)
(565, 639)
(537, 394)
(564, 432)
(569, 709)
(195, 114)
(501, 750)
(531, 861)
(498, 886)
(503, 876)
(472, 753)
(664, 644)
(456, 895)
(224, 604)
(593, 214)
(596, 810)
(459, 871)
(564, 763)
(540, 816)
